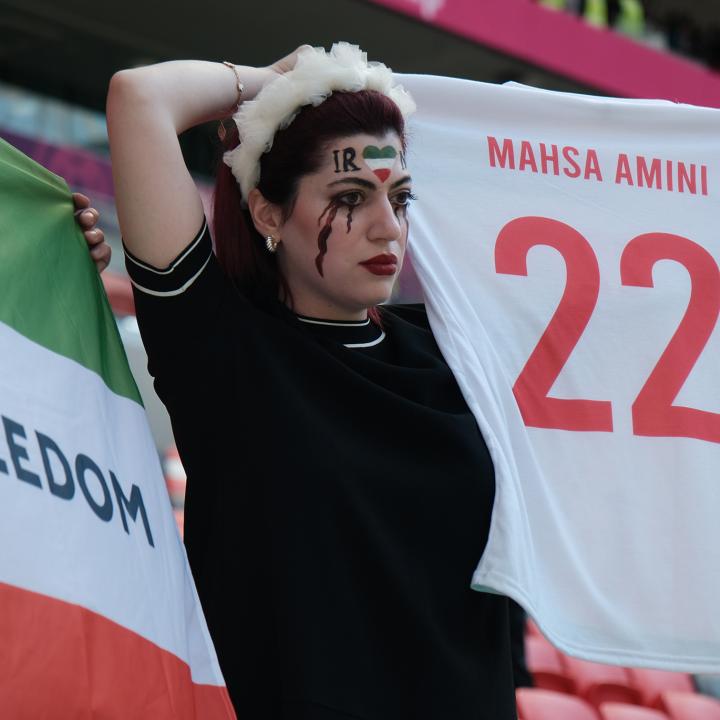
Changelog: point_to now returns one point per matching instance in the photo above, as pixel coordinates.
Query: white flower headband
(316, 75)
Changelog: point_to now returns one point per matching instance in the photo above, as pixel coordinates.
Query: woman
(339, 492)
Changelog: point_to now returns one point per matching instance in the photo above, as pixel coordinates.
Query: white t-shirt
(568, 249)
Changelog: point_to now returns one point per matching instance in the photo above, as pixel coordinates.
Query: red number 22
(653, 412)
(564, 329)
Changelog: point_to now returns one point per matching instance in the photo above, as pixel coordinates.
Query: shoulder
(412, 313)
(179, 275)
(408, 327)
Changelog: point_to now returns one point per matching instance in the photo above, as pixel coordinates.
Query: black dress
(339, 498)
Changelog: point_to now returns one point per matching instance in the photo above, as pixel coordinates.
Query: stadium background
(56, 60)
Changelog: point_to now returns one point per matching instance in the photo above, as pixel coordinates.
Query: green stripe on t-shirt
(51, 291)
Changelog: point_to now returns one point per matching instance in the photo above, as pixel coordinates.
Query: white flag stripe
(62, 547)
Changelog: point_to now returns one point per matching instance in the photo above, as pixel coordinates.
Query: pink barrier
(564, 44)
(80, 168)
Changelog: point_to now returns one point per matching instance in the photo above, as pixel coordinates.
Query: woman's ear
(266, 216)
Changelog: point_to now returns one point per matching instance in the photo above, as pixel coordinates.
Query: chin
(378, 296)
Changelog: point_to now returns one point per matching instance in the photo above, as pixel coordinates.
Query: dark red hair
(296, 151)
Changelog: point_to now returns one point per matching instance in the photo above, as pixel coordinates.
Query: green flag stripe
(51, 291)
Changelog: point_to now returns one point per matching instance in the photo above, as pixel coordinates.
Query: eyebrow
(367, 184)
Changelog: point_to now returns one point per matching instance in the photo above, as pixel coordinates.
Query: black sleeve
(179, 307)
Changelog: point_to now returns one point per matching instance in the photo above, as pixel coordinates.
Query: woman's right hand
(287, 63)
(255, 79)
(158, 205)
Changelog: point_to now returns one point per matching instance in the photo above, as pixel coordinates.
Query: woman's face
(343, 245)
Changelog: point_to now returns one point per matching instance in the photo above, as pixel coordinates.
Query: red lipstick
(383, 264)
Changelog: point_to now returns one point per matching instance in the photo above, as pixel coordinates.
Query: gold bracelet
(229, 113)
(240, 87)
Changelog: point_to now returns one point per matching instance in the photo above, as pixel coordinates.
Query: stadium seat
(180, 520)
(690, 706)
(599, 683)
(546, 666)
(175, 476)
(621, 711)
(652, 683)
(537, 704)
(119, 293)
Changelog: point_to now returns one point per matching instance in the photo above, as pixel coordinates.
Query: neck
(328, 311)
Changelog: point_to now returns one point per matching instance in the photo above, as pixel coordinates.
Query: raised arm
(158, 205)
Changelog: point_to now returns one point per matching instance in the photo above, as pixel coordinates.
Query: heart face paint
(380, 160)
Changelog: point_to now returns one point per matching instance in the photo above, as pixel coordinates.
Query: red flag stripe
(58, 659)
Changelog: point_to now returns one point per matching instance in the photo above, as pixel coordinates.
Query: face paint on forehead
(344, 160)
(381, 160)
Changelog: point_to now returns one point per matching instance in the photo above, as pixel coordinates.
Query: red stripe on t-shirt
(61, 660)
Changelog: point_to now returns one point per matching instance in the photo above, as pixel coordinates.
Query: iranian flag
(380, 160)
(98, 611)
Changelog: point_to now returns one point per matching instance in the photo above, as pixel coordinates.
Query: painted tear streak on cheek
(324, 234)
(349, 218)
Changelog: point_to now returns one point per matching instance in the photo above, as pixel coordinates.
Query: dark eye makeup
(355, 198)
(404, 198)
(349, 199)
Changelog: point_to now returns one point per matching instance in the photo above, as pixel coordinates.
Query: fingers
(94, 237)
(288, 62)
(87, 217)
(299, 49)
(101, 255)
(80, 201)
(100, 251)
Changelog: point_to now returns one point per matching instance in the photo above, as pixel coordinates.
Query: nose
(385, 224)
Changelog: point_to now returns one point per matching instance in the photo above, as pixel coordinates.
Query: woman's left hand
(87, 218)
